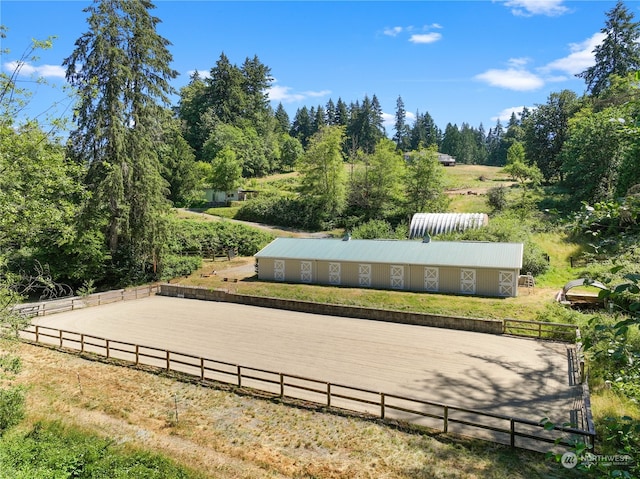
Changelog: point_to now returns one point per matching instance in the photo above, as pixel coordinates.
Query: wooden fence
(516, 432)
(540, 330)
(78, 302)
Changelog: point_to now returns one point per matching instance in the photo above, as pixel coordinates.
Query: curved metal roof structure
(582, 282)
(437, 223)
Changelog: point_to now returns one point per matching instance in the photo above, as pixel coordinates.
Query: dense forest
(95, 206)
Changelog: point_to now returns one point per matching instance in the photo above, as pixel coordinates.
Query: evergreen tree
(178, 164)
(257, 81)
(331, 113)
(365, 126)
(302, 127)
(424, 133)
(496, 146)
(120, 69)
(282, 119)
(400, 126)
(618, 54)
(319, 119)
(225, 93)
(342, 113)
(451, 141)
(193, 111)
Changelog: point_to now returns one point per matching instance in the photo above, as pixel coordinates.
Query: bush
(283, 211)
(205, 237)
(379, 229)
(174, 266)
(12, 407)
(534, 259)
(497, 198)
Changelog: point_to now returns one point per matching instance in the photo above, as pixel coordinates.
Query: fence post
(82, 343)
(107, 348)
(137, 355)
(539, 330)
(239, 376)
(61, 338)
(168, 361)
(445, 426)
(328, 394)
(382, 411)
(37, 333)
(281, 385)
(513, 433)
(201, 369)
(72, 304)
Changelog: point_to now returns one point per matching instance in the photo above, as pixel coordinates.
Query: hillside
(227, 435)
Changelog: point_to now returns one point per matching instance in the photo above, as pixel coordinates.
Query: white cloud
(580, 58)
(512, 78)
(26, 69)
(505, 115)
(425, 37)
(201, 73)
(388, 121)
(285, 95)
(528, 8)
(392, 32)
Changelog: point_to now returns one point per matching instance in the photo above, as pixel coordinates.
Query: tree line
(98, 203)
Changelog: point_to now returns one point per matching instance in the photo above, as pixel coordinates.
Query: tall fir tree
(618, 54)
(121, 70)
(401, 134)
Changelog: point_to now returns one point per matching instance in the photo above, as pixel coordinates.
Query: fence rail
(78, 302)
(541, 330)
(504, 429)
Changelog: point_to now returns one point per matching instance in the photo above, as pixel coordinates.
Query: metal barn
(459, 267)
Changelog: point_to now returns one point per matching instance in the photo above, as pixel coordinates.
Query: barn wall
(412, 277)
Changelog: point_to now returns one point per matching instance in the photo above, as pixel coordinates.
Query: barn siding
(449, 278)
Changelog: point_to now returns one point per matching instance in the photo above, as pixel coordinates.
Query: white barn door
(278, 270)
(305, 271)
(364, 274)
(468, 281)
(431, 279)
(397, 276)
(506, 283)
(334, 273)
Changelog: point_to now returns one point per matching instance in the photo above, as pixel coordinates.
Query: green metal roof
(471, 254)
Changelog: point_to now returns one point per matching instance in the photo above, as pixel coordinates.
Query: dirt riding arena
(510, 376)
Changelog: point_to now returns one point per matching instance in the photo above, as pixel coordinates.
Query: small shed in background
(438, 223)
(460, 267)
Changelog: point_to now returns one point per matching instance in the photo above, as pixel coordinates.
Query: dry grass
(226, 435)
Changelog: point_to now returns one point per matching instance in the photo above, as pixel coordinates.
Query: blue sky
(460, 61)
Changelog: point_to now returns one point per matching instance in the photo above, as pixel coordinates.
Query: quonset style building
(438, 223)
(459, 267)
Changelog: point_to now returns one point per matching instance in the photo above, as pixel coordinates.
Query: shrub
(12, 407)
(497, 198)
(379, 229)
(174, 266)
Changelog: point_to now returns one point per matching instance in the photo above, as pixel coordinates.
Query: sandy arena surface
(499, 374)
